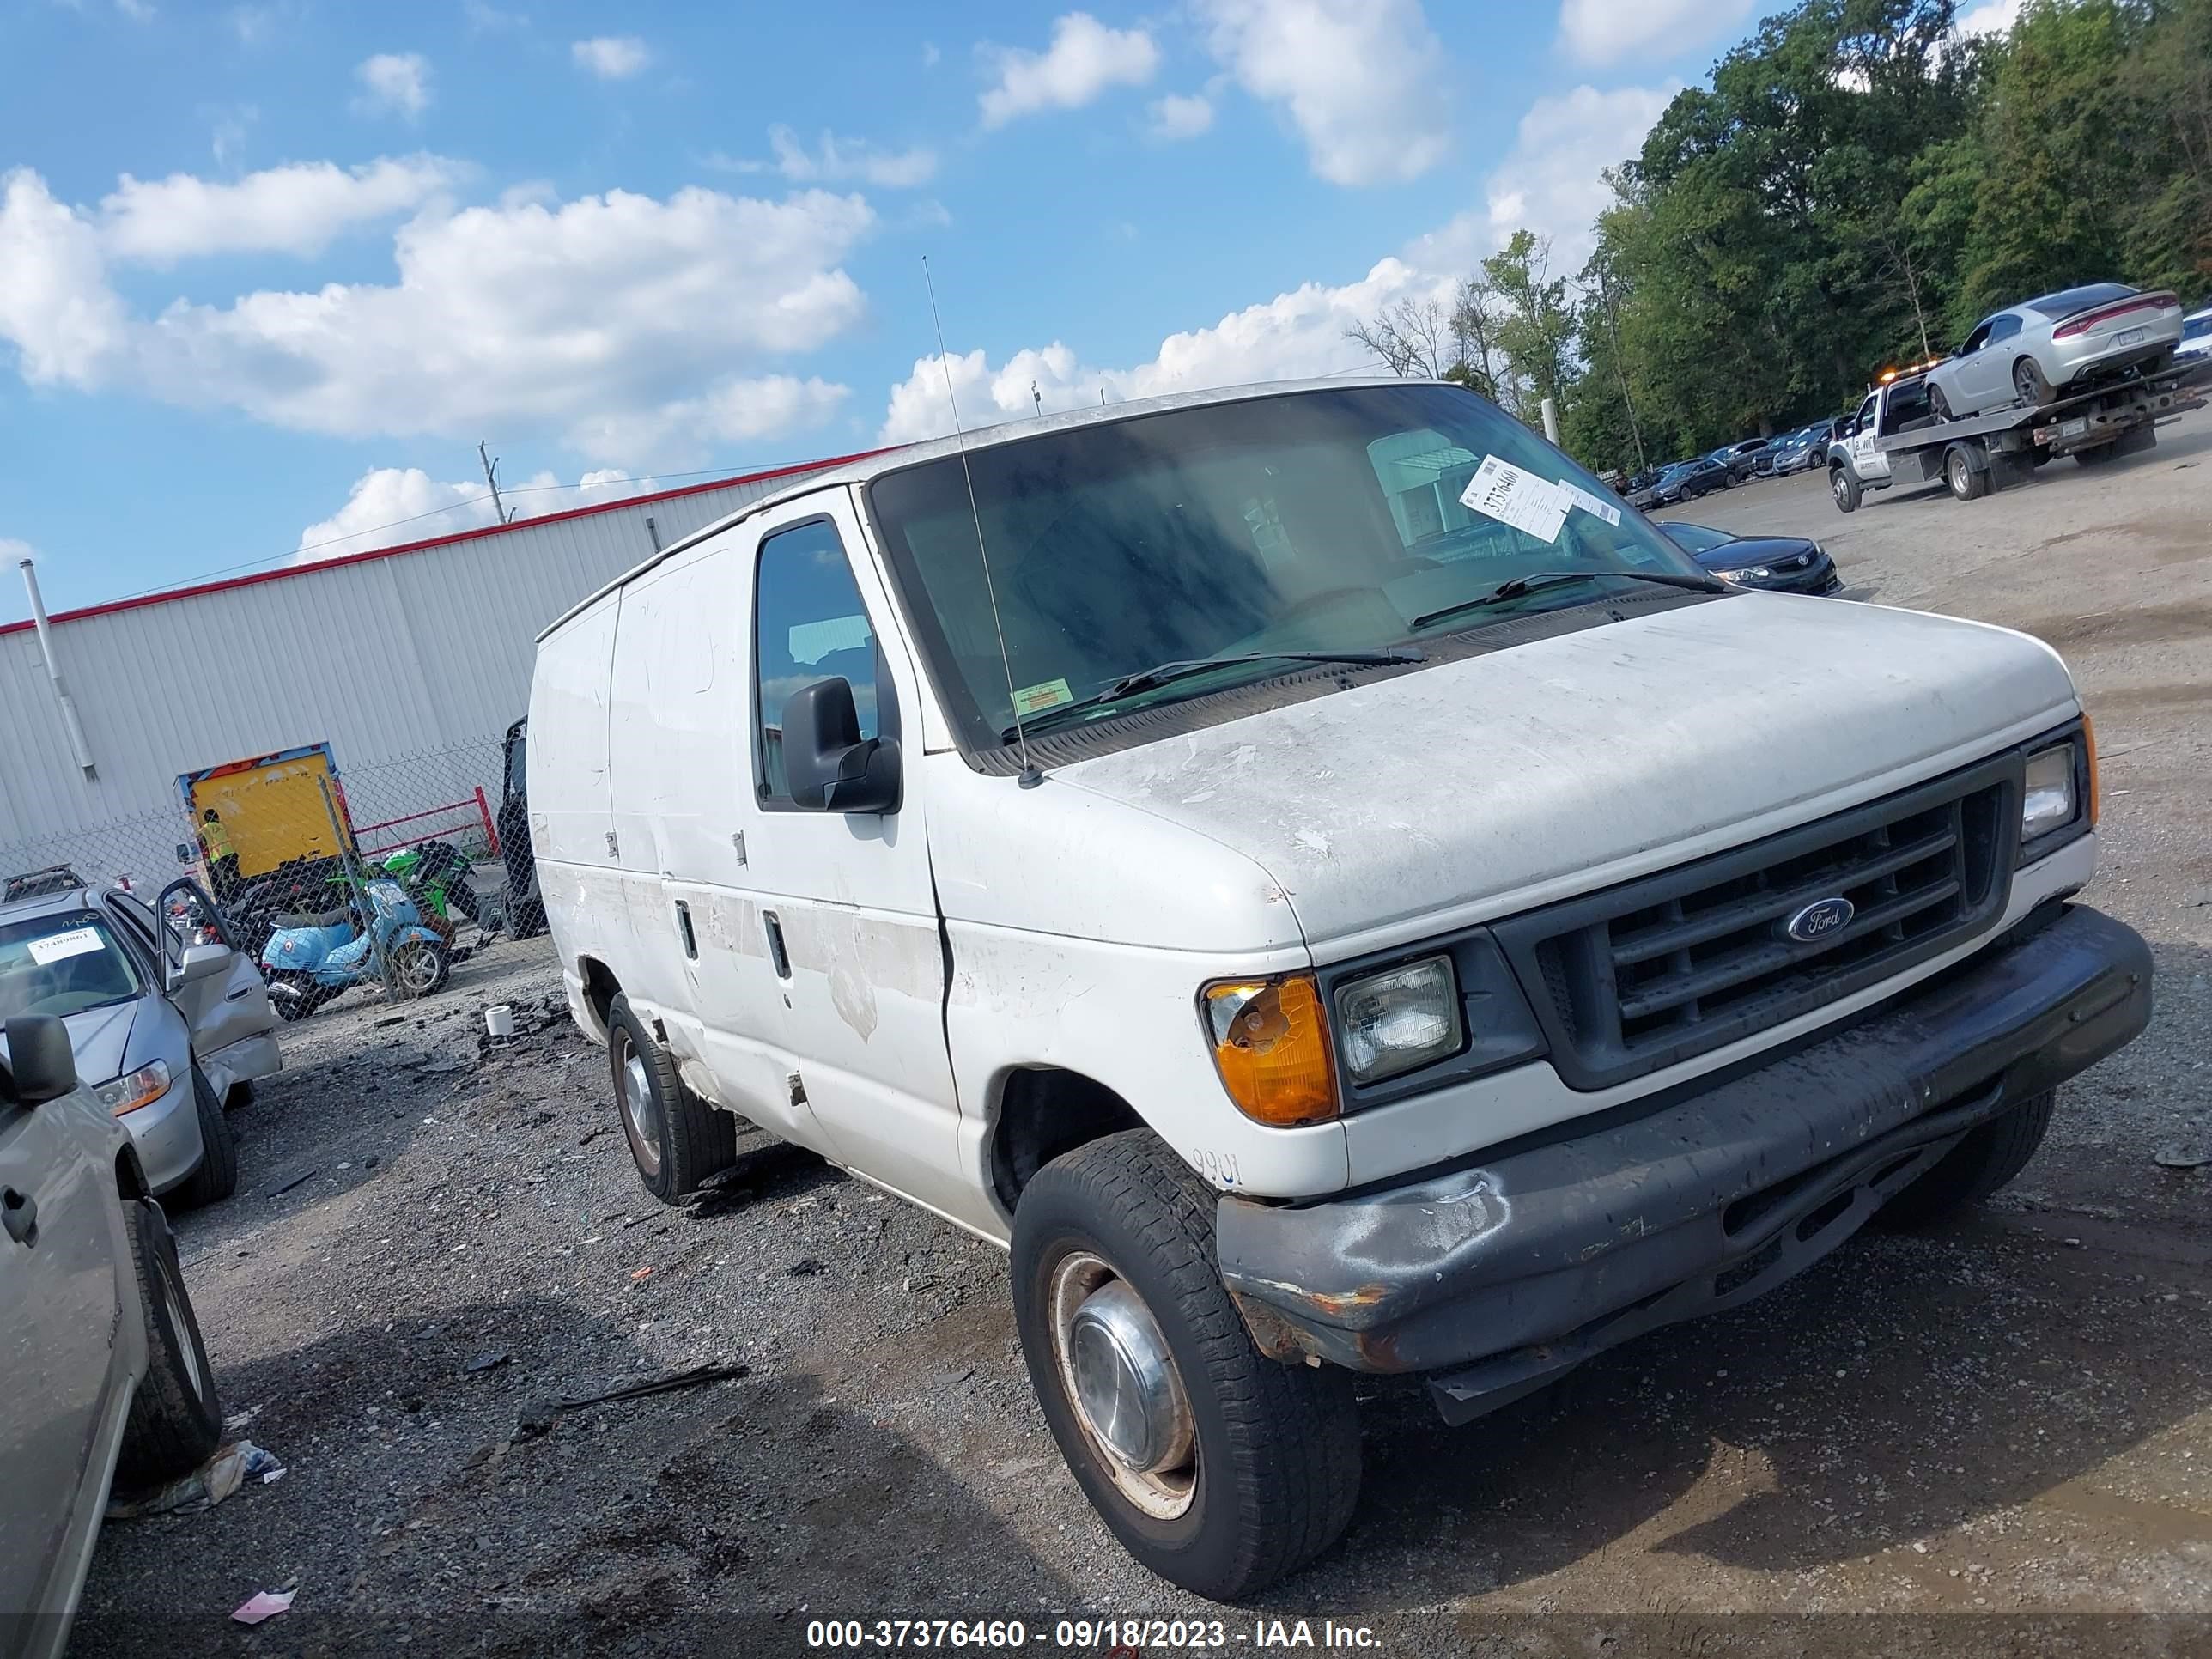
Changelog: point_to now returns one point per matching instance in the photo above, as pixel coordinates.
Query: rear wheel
(676, 1139)
(1968, 483)
(2027, 381)
(1844, 484)
(420, 967)
(1978, 1166)
(176, 1418)
(217, 1177)
(1219, 1469)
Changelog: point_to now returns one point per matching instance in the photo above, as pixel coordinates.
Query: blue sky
(268, 271)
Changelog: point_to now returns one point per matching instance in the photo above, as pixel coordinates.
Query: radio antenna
(1031, 777)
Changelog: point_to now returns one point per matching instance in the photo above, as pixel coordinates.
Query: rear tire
(1978, 1166)
(2028, 384)
(1844, 484)
(419, 968)
(676, 1139)
(1967, 482)
(176, 1418)
(1270, 1472)
(217, 1177)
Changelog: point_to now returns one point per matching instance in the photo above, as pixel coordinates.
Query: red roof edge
(287, 571)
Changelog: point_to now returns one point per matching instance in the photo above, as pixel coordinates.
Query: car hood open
(1484, 786)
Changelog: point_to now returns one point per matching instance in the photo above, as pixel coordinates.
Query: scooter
(309, 963)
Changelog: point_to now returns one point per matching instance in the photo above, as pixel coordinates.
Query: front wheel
(175, 1417)
(215, 1177)
(1844, 486)
(1219, 1469)
(676, 1139)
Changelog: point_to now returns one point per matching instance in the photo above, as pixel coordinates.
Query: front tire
(676, 1139)
(421, 968)
(176, 1418)
(1844, 484)
(1978, 1166)
(1261, 1468)
(217, 1177)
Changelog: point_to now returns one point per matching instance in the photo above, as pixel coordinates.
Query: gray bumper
(1504, 1274)
(167, 1133)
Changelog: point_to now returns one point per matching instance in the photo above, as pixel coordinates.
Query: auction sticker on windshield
(59, 947)
(1501, 490)
(1048, 694)
(1590, 503)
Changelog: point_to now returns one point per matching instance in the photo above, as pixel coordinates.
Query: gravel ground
(1997, 1437)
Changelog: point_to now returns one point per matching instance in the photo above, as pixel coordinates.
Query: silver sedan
(2032, 353)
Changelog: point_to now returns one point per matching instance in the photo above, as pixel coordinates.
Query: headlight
(139, 1088)
(1403, 1017)
(2060, 789)
(1271, 1046)
(1749, 573)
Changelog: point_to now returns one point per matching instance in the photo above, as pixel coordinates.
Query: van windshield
(1317, 521)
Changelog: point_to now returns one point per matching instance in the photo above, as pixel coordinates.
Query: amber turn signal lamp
(2090, 744)
(1271, 1046)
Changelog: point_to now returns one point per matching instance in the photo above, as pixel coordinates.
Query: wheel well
(129, 1178)
(1044, 1112)
(600, 989)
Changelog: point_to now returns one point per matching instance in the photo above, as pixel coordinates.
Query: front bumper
(1503, 1274)
(167, 1133)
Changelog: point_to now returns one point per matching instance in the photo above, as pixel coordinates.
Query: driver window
(809, 624)
(1864, 419)
(1976, 340)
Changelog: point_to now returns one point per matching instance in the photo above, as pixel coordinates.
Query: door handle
(20, 1213)
(778, 958)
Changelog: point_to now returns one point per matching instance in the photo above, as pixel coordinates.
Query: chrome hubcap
(1119, 1375)
(418, 971)
(639, 1109)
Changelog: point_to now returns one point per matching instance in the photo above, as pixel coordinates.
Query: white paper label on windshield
(1501, 490)
(59, 947)
(1590, 503)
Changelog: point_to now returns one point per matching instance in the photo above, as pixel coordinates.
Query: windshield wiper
(1537, 581)
(1166, 673)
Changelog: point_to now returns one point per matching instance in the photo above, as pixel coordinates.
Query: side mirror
(41, 1064)
(202, 962)
(827, 764)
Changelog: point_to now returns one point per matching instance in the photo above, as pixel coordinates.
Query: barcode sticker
(1501, 490)
(59, 947)
(1590, 503)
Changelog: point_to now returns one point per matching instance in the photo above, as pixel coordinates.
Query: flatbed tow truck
(1895, 437)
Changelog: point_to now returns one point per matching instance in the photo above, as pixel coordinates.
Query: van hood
(1485, 787)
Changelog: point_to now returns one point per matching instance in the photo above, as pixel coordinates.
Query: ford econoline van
(1299, 867)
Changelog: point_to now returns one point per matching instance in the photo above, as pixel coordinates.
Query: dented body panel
(1513, 1268)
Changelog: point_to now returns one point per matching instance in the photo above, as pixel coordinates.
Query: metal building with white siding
(409, 662)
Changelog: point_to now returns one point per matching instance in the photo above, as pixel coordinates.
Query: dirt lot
(1994, 1438)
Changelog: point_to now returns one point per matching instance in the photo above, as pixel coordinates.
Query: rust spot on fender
(1365, 1296)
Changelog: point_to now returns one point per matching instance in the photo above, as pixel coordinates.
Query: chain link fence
(273, 821)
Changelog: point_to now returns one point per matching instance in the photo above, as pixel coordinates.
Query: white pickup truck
(1294, 865)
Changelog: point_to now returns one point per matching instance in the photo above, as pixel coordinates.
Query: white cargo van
(1329, 892)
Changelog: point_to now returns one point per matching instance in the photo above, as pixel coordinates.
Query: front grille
(1794, 561)
(1659, 969)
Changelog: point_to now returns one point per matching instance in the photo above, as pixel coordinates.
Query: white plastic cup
(499, 1019)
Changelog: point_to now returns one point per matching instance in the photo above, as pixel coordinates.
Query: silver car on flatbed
(169, 1028)
(104, 1381)
(2032, 353)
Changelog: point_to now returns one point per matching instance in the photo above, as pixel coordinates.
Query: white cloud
(1607, 31)
(297, 208)
(1085, 59)
(610, 57)
(136, 10)
(1363, 81)
(837, 161)
(1550, 182)
(14, 552)
(1294, 334)
(1178, 116)
(56, 308)
(484, 18)
(636, 329)
(388, 506)
(1990, 17)
(393, 82)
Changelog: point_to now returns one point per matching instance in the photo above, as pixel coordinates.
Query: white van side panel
(571, 810)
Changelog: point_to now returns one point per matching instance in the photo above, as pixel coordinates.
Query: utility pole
(1037, 397)
(491, 476)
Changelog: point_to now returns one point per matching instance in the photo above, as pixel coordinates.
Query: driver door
(1968, 375)
(1866, 460)
(226, 1005)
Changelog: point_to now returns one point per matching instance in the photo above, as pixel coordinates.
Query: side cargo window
(809, 624)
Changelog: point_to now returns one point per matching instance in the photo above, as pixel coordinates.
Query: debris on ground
(304, 1176)
(264, 1604)
(2183, 1157)
(205, 1486)
(537, 1417)
(487, 1362)
(805, 1267)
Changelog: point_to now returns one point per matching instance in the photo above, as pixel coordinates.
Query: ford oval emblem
(1819, 918)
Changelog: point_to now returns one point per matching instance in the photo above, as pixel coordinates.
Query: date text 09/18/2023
(1110, 1637)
